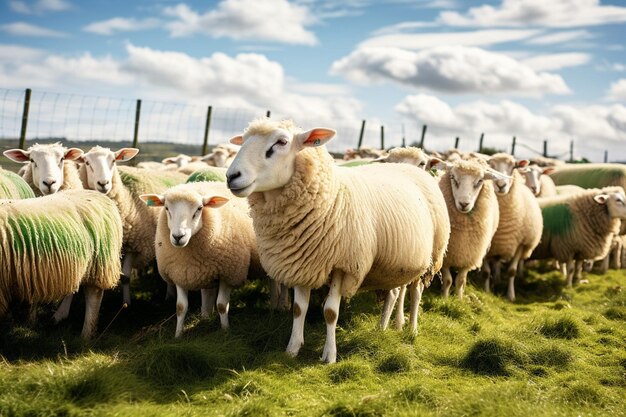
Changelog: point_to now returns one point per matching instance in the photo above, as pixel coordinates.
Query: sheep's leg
(578, 270)
(497, 268)
(93, 299)
(570, 272)
(520, 269)
(390, 301)
(331, 314)
(209, 297)
(416, 290)
(283, 298)
(170, 293)
(487, 275)
(63, 311)
(301, 296)
(223, 302)
(274, 294)
(617, 254)
(400, 308)
(604, 264)
(127, 268)
(182, 305)
(563, 268)
(446, 282)
(512, 272)
(461, 280)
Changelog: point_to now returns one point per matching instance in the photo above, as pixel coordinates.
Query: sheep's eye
(422, 164)
(87, 163)
(199, 209)
(281, 142)
(478, 183)
(62, 159)
(166, 208)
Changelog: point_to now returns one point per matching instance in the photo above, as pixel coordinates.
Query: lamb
(48, 168)
(520, 225)
(124, 186)
(369, 227)
(53, 244)
(580, 226)
(474, 217)
(202, 238)
(538, 181)
(12, 186)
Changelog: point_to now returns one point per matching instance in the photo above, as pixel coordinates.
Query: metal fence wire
(30, 116)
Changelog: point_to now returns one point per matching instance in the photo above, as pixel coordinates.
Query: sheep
(179, 160)
(53, 244)
(369, 227)
(474, 217)
(201, 238)
(156, 166)
(543, 162)
(520, 225)
(48, 168)
(12, 186)
(538, 181)
(409, 155)
(222, 155)
(100, 172)
(580, 226)
(208, 174)
(568, 189)
(590, 175)
(363, 152)
(192, 167)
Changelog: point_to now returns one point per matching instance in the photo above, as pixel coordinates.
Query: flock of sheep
(387, 221)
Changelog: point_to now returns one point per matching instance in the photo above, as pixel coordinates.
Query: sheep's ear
(153, 200)
(524, 170)
(314, 137)
(73, 154)
(17, 155)
(522, 163)
(169, 160)
(436, 163)
(237, 140)
(214, 202)
(126, 154)
(381, 158)
(548, 170)
(601, 198)
(492, 174)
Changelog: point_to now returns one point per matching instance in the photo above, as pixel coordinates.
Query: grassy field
(555, 352)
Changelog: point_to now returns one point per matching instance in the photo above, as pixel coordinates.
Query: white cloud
(617, 91)
(521, 13)
(18, 53)
(415, 41)
(556, 61)
(611, 66)
(272, 20)
(26, 29)
(560, 37)
(39, 7)
(121, 24)
(448, 69)
(505, 119)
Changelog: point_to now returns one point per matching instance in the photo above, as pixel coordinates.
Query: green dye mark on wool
(168, 182)
(355, 164)
(13, 186)
(46, 236)
(130, 181)
(557, 219)
(590, 178)
(206, 176)
(101, 237)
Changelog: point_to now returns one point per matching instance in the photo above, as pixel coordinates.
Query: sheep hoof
(293, 348)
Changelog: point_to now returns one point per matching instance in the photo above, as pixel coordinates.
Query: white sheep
(53, 244)
(13, 186)
(474, 217)
(222, 155)
(201, 239)
(179, 160)
(536, 178)
(409, 155)
(48, 168)
(100, 172)
(364, 152)
(520, 225)
(568, 189)
(580, 226)
(368, 227)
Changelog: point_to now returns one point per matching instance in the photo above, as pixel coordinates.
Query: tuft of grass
(350, 410)
(347, 371)
(564, 327)
(615, 313)
(418, 394)
(396, 362)
(552, 355)
(492, 357)
(584, 393)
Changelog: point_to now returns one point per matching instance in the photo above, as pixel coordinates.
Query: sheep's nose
(177, 238)
(230, 178)
(533, 189)
(49, 183)
(103, 183)
(463, 205)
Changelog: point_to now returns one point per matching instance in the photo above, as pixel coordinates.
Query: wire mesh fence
(96, 119)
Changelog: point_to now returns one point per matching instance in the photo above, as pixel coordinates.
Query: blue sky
(532, 68)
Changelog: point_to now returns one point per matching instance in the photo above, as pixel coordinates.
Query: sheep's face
(468, 183)
(179, 160)
(419, 159)
(219, 157)
(267, 162)
(184, 212)
(532, 176)
(100, 165)
(615, 201)
(505, 166)
(46, 164)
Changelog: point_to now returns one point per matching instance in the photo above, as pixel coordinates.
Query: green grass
(557, 352)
